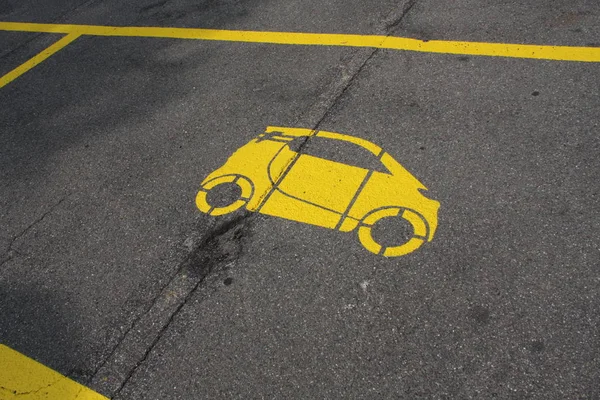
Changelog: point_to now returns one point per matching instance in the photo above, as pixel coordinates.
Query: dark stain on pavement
(150, 7)
(536, 346)
(221, 245)
(166, 11)
(42, 324)
(5, 7)
(479, 314)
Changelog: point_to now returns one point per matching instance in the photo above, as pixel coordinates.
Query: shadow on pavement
(40, 323)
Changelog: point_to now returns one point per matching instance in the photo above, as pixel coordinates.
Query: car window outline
(295, 145)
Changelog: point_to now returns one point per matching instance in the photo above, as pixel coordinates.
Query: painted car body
(277, 180)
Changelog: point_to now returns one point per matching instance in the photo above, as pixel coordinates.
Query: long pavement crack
(207, 268)
(353, 68)
(11, 251)
(146, 331)
(222, 244)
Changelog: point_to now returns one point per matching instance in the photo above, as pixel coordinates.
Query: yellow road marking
(279, 181)
(40, 57)
(23, 378)
(545, 52)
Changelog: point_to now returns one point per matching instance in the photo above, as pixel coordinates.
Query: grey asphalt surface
(110, 275)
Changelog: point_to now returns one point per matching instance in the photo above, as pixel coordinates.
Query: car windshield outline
(306, 146)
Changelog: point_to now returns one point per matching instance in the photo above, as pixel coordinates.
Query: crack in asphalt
(7, 390)
(394, 22)
(31, 392)
(220, 246)
(388, 27)
(11, 252)
(209, 254)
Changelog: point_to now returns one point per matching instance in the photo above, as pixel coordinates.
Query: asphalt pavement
(111, 275)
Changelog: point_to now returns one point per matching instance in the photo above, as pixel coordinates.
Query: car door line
(287, 194)
(281, 177)
(354, 198)
(274, 182)
(360, 189)
(275, 185)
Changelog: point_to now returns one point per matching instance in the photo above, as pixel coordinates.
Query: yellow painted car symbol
(272, 177)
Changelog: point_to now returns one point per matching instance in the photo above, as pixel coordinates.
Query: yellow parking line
(32, 62)
(531, 51)
(23, 378)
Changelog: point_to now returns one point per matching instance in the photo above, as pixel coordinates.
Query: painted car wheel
(240, 181)
(417, 222)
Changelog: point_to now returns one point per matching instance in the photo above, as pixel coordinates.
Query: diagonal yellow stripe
(545, 52)
(32, 62)
(23, 378)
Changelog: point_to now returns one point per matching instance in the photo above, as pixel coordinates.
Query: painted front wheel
(224, 195)
(419, 234)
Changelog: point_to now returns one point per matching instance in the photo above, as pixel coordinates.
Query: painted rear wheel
(418, 237)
